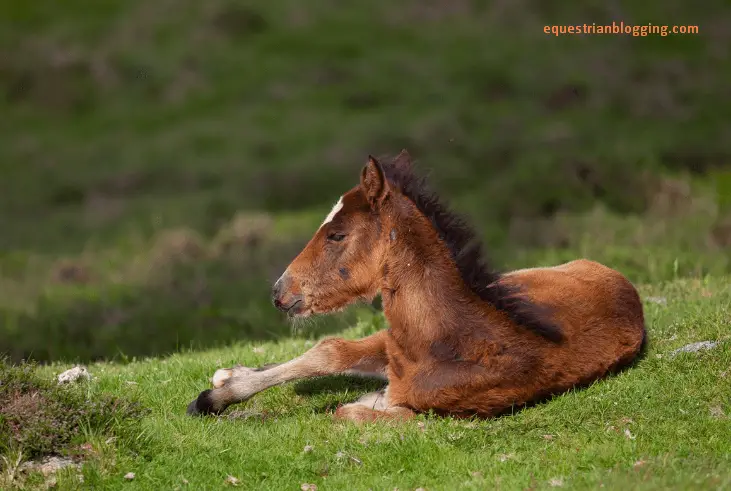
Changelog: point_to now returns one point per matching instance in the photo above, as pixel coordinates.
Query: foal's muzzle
(284, 299)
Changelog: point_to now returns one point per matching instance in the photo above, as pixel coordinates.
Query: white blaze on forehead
(338, 206)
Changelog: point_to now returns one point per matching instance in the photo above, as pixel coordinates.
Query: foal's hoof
(202, 405)
(193, 408)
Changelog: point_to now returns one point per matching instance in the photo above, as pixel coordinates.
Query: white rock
(695, 347)
(74, 374)
(49, 465)
(233, 481)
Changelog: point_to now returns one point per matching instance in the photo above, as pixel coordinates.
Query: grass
(160, 164)
(664, 424)
(131, 128)
(40, 418)
(137, 137)
(134, 116)
(199, 293)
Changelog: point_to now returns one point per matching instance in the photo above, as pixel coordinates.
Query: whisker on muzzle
(298, 324)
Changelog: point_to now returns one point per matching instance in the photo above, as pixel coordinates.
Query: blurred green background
(162, 161)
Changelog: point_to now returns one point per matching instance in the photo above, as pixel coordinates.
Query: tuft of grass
(38, 417)
(663, 424)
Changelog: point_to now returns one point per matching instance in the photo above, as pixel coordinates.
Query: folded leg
(373, 407)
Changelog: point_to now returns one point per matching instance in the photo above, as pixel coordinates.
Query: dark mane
(466, 251)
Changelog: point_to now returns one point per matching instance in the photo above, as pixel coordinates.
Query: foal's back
(598, 309)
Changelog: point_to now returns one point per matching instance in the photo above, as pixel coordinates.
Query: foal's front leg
(330, 356)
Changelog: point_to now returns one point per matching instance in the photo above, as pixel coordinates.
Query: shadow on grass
(337, 384)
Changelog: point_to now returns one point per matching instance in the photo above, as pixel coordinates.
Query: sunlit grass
(662, 424)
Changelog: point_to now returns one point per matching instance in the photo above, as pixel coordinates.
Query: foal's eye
(335, 237)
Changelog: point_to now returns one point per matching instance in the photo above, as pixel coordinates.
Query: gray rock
(695, 347)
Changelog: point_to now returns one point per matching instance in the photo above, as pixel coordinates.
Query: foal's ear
(373, 181)
(403, 160)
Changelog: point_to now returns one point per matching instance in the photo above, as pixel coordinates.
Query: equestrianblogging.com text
(640, 30)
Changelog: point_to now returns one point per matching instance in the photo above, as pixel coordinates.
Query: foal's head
(342, 261)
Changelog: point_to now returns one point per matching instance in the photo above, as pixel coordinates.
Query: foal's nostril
(281, 293)
(276, 292)
(283, 298)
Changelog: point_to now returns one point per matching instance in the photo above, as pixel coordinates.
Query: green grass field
(664, 424)
(161, 162)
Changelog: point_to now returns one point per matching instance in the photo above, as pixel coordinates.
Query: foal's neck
(424, 296)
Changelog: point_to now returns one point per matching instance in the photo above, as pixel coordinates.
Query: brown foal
(463, 340)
